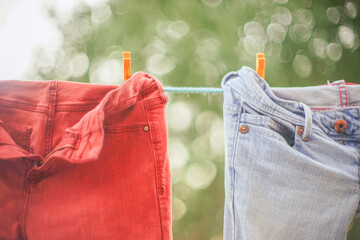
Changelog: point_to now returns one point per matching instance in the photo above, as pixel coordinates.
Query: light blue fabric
(278, 184)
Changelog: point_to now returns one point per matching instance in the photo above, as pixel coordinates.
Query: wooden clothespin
(260, 64)
(127, 65)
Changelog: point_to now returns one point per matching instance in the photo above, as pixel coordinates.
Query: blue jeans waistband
(315, 107)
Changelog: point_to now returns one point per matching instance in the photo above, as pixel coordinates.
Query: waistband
(70, 96)
(101, 100)
(324, 104)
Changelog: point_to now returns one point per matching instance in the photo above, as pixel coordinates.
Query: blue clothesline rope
(193, 90)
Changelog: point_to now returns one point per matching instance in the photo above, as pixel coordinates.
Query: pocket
(262, 125)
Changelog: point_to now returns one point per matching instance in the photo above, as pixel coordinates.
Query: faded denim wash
(291, 173)
(82, 161)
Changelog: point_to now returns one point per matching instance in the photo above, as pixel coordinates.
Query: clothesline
(260, 69)
(193, 90)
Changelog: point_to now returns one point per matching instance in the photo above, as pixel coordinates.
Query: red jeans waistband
(54, 97)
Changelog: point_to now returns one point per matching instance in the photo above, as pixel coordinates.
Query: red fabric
(105, 171)
(346, 83)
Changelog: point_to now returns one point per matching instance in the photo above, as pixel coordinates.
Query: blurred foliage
(194, 43)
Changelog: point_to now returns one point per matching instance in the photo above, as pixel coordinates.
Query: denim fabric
(288, 173)
(84, 161)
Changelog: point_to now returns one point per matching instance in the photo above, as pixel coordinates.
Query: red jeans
(84, 161)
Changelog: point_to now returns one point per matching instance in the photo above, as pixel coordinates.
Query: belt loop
(308, 122)
(343, 94)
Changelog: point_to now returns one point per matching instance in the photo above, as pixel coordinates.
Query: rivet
(300, 130)
(244, 128)
(146, 128)
(341, 141)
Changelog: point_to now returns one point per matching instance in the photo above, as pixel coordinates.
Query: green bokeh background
(194, 43)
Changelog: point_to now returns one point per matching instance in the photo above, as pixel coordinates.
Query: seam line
(50, 117)
(156, 161)
(341, 99)
(347, 97)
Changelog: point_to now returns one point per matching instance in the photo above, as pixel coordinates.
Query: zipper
(26, 191)
(40, 163)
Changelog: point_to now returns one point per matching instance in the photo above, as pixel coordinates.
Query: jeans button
(340, 126)
(300, 130)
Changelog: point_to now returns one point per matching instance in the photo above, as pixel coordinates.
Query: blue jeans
(292, 159)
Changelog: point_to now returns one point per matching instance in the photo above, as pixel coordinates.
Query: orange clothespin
(127, 65)
(260, 64)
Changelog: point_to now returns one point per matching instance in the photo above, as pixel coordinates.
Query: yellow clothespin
(127, 65)
(260, 64)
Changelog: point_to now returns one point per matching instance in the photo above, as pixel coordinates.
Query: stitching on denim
(139, 96)
(122, 105)
(75, 107)
(347, 96)
(77, 104)
(156, 160)
(50, 116)
(341, 99)
(25, 205)
(7, 102)
(343, 137)
(155, 85)
(29, 130)
(358, 164)
(124, 129)
(153, 102)
(277, 113)
(233, 167)
(267, 124)
(322, 108)
(270, 110)
(158, 166)
(39, 108)
(231, 108)
(149, 90)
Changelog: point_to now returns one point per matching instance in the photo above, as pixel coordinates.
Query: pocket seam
(233, 156)
(124, 129)
(261, 122)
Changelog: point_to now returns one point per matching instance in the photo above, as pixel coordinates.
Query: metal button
(340, 126)
(300, 130)
(244, 128)
(146, 128)
(342, 142)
